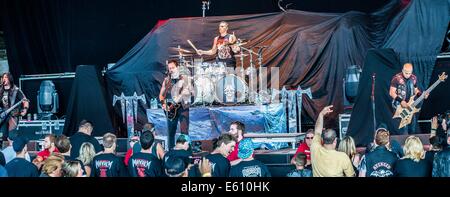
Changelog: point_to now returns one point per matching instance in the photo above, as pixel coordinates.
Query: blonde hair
(71, 168)
(413, 149)
(347, 145)
(51, 164)
(108, 140)
(87, 153)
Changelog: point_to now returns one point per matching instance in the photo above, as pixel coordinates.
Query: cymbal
(180, 50)
(239, 55)
(182, 55)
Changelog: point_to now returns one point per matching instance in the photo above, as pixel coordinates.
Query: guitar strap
(13, 96)
(12, 121)
(409, 88)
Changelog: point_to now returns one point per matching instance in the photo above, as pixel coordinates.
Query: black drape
(383, 64)
(36, 36)
(88, 101)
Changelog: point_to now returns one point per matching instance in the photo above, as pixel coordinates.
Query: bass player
(403, 87)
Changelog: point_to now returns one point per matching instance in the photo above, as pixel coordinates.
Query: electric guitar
(406, 113)
(4, 113)
(171, 109)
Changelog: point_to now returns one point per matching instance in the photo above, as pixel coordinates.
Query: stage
(207, 123)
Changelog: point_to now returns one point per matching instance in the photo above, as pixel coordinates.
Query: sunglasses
(309, 138)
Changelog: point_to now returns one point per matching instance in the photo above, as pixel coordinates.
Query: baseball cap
(382, 126)
(19, 143)
(245, 148)
(184, 138)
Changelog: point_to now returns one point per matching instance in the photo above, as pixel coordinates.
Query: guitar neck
(13, 107)
(420, 99)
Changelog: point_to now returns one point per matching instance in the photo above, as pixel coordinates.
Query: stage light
(47, 99)
(351, 82)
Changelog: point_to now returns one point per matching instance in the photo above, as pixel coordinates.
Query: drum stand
(251, 72)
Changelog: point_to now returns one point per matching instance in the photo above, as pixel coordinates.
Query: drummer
(223, 46)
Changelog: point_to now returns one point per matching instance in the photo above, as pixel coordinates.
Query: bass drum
(230, 90)
(203, 90)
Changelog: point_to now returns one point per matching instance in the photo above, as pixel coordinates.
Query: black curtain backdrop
(383, 63)
(88, 101)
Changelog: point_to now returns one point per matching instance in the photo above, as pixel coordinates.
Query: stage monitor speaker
(344, 119)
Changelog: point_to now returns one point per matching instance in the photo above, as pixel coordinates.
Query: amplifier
(38, 129)
(344, 119)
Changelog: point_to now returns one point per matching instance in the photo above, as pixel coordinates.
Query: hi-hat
(180, 50)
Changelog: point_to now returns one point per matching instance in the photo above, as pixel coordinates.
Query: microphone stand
(373, 101)
(205, 6)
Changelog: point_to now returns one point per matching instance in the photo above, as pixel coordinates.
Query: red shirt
(128, 156)
(304, 148)
(234, 155)
(46, 153)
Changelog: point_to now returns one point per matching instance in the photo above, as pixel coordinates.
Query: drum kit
(214, 82)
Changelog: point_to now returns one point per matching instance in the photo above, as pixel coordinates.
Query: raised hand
(326, 110)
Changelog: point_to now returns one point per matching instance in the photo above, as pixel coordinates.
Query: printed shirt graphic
(224, 51)
(400, 83)
(251, 168)
(107, 165)
(144, 165)
(381, 169)
(5, 99)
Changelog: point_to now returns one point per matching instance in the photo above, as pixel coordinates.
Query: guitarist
(10, 94)
(403, 87)
(175, 97)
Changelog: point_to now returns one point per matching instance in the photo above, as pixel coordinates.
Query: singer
(175, 97)
(403, 87)
(10, 95)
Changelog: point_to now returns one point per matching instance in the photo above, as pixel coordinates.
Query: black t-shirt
(253, 168)
(220, 166)
(78, 139)
(19, 167)
(6, 96)
(410, 168)
(107, 165)
(184, 154)
(429, 156)
(144, 165)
